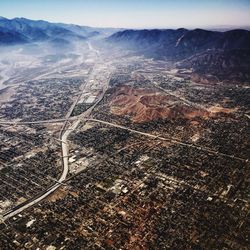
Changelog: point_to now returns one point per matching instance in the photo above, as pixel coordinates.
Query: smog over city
(124, 125)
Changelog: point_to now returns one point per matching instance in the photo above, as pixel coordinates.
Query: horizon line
(219, 26)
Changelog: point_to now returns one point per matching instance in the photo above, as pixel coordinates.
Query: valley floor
(150, 159)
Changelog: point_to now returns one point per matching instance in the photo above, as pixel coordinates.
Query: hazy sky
(133, 13)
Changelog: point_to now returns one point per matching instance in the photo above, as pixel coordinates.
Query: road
(185, 101)
(36, 122)
(175, 141)
(63, 136)
(93, 49)
(248, 116)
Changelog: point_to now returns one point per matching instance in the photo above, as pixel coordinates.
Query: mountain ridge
(33, 31)
(41, 30)
(180, 43)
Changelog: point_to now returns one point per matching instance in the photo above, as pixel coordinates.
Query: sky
(133, 13)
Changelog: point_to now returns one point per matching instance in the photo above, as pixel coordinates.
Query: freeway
(64, 152)
(175, 141)
(63, 136)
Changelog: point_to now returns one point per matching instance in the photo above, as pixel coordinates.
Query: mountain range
(22, 30)
(224, 54)
(181, 43)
